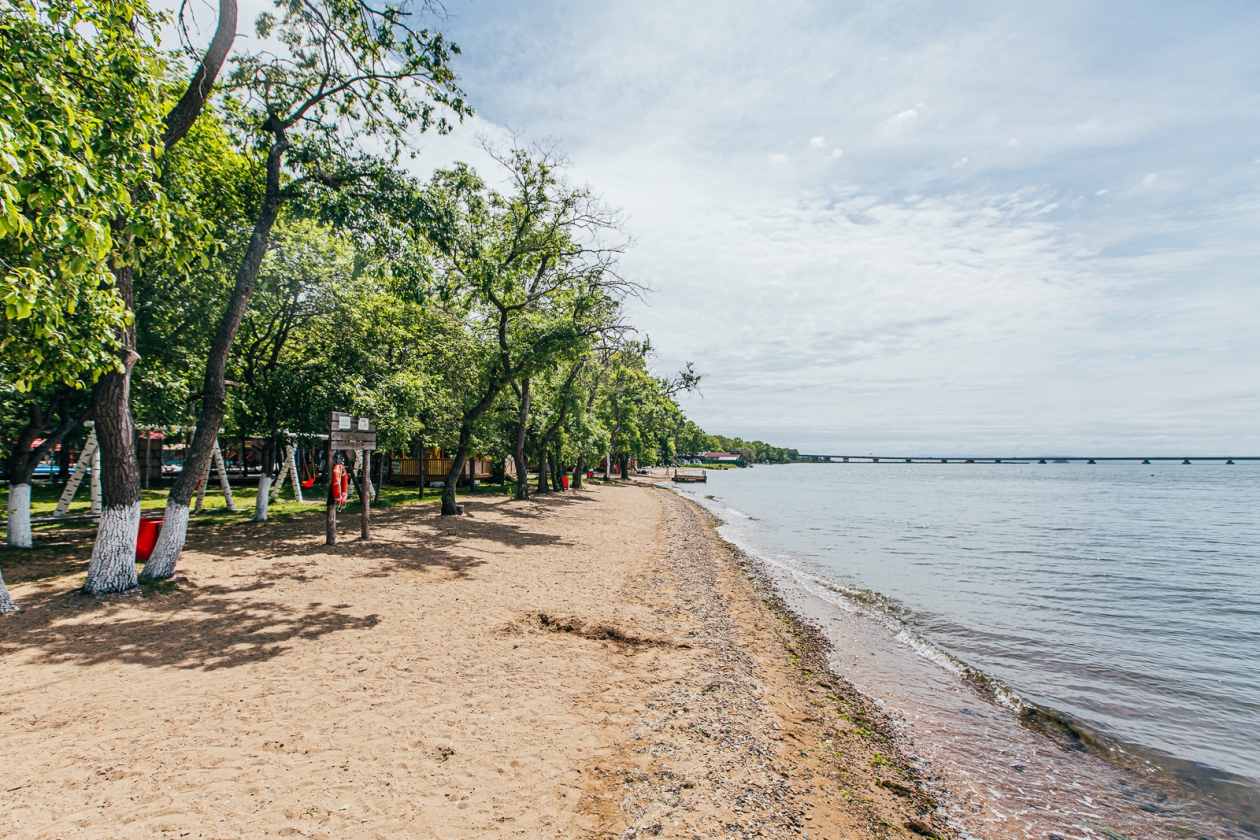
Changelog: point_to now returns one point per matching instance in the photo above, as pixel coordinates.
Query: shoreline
(592, 664)
(934, 703)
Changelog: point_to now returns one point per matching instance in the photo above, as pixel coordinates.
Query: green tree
(349, 71)
(112, 567)
(531, 273)
(83, 90)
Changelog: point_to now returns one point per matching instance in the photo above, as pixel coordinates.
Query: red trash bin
(147, 538)
(564, 480)
(590, 473)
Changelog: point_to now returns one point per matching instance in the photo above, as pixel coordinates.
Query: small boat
(701, 477)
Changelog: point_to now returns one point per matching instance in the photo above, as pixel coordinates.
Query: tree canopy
(281, 261)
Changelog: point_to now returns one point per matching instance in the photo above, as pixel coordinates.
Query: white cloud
(960, 163)
(1149, 180)
(1012, 142)
(817, 143)
(974, 313)
(836, 154)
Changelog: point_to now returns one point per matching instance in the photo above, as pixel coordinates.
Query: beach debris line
(755, 736)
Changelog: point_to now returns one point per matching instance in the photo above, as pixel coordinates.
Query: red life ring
(340, 484)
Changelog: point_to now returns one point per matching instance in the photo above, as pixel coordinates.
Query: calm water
(1125, 598)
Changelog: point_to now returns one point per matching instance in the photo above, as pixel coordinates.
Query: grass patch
(158, 587)
(214, 511)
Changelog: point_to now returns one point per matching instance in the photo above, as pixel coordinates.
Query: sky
(913, 228)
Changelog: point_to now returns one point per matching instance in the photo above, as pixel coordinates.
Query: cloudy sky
(916, 227)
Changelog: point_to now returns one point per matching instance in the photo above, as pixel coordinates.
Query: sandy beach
(596, 664)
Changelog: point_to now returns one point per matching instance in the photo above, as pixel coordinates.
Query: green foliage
(425, 306)
(82, 99)
(176, 310)
(754, 451)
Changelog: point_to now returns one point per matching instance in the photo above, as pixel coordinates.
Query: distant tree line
(691, 439)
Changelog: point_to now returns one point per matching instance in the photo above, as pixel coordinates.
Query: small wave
(888, 612)
(1231, 796)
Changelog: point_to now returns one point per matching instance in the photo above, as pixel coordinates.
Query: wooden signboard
(349, 432)
(346, 432)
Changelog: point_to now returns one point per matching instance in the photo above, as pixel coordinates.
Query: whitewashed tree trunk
(263, 497)
(6, 602)
(113, 565)
(170, 543)
(363, 460)
(19, 535)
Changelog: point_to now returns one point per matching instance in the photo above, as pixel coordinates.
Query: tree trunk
(449, 507)
(113, 564)
(6, 602)
(518, 453)
(214, 392)
(543, 472)
(266, 475)
(19, 530)
(623, 461)
(579, 473)
(380, 475)
(190, 105)
(557, 469)
(25, 456)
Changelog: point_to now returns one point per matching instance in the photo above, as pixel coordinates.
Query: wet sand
(595, 664)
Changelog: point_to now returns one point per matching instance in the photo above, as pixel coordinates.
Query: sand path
(591, 665)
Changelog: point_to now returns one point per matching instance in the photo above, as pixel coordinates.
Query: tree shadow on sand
(195, 627)
(403, 538)
(213, 626)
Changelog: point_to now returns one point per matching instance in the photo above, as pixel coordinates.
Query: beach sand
(592, 664)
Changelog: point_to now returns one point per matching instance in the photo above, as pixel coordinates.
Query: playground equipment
(289, 471)
(217, 462)
(91, 457)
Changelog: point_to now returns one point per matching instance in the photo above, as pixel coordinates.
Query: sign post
(348, 433)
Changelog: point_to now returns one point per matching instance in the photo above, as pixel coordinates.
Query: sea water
(1122, 599)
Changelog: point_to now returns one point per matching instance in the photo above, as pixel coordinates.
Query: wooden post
(365, 493)
(424, 457)
(330, 516)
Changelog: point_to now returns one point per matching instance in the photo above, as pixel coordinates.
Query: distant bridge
(1036, 459)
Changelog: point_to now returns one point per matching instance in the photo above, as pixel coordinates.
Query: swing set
(90, 460)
